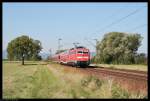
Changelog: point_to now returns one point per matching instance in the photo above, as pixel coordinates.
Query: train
(76, 57)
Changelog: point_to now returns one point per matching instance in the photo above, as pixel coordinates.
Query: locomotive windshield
(85, 52)
(79, 51)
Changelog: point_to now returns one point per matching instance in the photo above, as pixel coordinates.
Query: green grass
(37, 80)
(131, 67)
(29, 81)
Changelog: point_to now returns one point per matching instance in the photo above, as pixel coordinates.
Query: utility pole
(59, 44)
(90, 42)
(75, 44)
(50, 53)
(96, 45)
(96, 50)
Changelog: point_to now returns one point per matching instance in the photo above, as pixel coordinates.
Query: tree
(118, 48)
(140, 58)
(24, 48)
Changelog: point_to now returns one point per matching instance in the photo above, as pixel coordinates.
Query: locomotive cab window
(85, 52)
(79, 51)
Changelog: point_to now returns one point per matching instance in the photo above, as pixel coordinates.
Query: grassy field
(40, 80)
(131, 67)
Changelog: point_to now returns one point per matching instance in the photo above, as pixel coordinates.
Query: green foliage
(24, 47)
(140, 59)
(5, 59)
(118, 48)
(94, 59)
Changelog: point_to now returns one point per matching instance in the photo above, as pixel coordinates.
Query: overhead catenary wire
(112, 15)
(90, 42)
(137, 27)
(121, 19)
(104, 19)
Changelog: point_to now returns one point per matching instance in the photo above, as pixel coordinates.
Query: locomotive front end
(83, 57)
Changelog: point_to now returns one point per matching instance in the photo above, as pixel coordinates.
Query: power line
(119, 20)
(89, 42)
(59, 44)
(112, 15)
(140, 26)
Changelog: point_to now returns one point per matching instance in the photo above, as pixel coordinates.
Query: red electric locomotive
(79, 56)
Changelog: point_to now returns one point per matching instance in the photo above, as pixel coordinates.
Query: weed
(91, 80)
(117, 92)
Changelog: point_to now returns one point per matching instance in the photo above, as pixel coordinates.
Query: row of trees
(24, 48)
(119, 48)
(115, 48)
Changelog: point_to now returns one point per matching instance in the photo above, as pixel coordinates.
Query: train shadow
(69, 65)
(91, 67)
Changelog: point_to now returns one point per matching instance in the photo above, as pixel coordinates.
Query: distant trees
(119, 48)
(59, 51)
(24, 48)
(141, 58)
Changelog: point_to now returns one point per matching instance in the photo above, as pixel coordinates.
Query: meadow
(49, 80)
(130, 67)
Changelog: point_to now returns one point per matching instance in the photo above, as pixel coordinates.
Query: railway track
(132, 80)
(121, 72)
(118, 73)
(116, 69)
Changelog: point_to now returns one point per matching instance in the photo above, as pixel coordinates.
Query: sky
(73, 22)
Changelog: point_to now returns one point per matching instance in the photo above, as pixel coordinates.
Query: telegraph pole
(95, 50)
(75, 44)
(50, 53)
(96, 45)
(59, 44)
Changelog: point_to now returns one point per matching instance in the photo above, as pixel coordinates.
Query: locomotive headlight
(85, 57)
(82, 57)
(79, 57)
